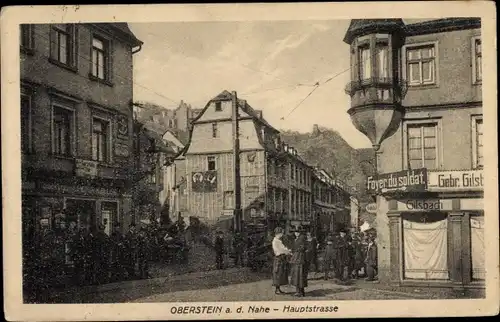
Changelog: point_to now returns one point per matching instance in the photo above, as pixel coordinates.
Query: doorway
(109, 212)
(82, 212)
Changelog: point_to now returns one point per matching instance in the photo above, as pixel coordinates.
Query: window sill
(422, 86)
(28, 51)
(99, 80)
(59, 64)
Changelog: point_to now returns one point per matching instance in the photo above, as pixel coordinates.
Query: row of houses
(86, 156)
(278, 188)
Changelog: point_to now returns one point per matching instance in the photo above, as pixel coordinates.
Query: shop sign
(471, 180)
(85, 168)
(424, 205)
(77, 189)
(371, 208)
(408, 180)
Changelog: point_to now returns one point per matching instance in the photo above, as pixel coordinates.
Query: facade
(416, 93)
(76, 94)
(276, 183)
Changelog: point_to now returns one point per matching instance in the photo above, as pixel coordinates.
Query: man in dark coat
(329, 257)
(311, 253)
(280, 273)
(131, 251)
(117, 254)
(342, 256)
(298, 262)
(143, 248)
(219, 250)
(371, 259)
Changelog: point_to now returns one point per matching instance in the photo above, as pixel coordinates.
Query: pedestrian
(143, 253)
(102, 252)
(311, 252)
(298, 262)
(117, 251)
(342, 256)
(371, 259)
(238, 248)
(280, 267)
(357, 260)
(131, 251)
(219, 250)
(329, 257)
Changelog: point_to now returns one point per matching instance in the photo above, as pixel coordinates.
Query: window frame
(29, 96)
(70, 108)
(71, 33)
(405, 64)
(218, 106)
(29, 48)
(209, 159)
(474, 57)
(109, 139)
(107, 54)
(215, 130)
(361, 63)
(439, 140)
(474, 120)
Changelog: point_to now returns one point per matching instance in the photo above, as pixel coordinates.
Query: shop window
(425, 246)
(27, 36)
(62, 130)
(63, 44)
(421, 64)
(214, 130)
(100, 58)
(477, 142)
(422, 145)
(26, 124)
(211, 163)
(100, 140)
(477, 247)
(382, 61)
(477, 69)
(364, 63)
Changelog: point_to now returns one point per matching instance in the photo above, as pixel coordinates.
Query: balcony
(396, 89)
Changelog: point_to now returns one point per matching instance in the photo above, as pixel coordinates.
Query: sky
(263, 61)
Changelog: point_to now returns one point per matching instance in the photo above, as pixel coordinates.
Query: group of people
(350, 256)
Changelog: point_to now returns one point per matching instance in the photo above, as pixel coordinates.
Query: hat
(278, 230)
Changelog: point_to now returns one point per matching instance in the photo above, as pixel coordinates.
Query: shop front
(437, 235)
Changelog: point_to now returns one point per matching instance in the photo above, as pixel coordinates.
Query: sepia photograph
(255, 168)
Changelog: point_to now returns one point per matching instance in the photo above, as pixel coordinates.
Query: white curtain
(477, 247)
(425, 250)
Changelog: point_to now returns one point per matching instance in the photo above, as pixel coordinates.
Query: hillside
(326, 149)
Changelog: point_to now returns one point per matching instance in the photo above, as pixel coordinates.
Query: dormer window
(364, 63)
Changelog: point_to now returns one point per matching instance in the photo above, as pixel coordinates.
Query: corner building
(76, 123)
(416, 94)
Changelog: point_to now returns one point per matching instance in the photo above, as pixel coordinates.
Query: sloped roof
(160, 144)
(360, 26)
(123, 31)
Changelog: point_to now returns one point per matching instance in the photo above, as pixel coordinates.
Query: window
(218, 106)
(175, 123)
(292, 171)
(26, 36)
(382, 61)
(26, 128)
(421, 65)
(214, 130)
(100, 140)
(422, 146)
(477, 142)
(364, 62)
(62, 44)
(62, 131)
(151, 178)
(476, 65)
(211, 163)
(100, 58)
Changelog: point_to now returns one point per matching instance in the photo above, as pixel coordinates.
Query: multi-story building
(416, 93)
(276, 183)
(76, 94)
